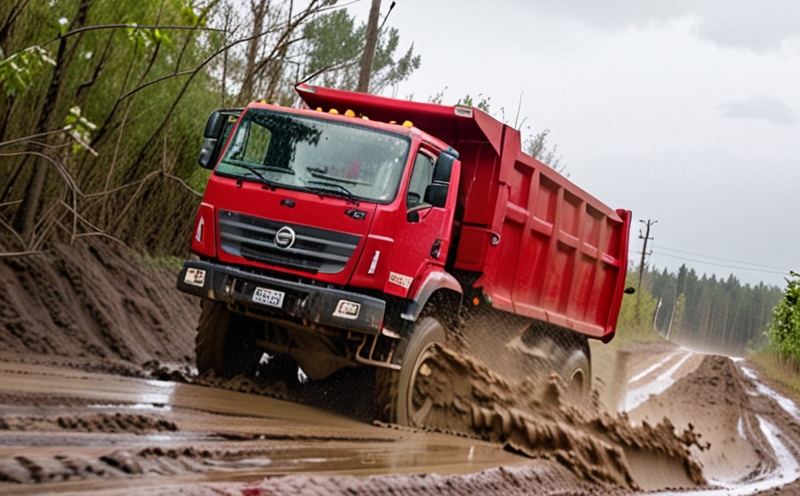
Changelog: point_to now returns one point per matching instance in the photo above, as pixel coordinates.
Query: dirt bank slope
(94, 304)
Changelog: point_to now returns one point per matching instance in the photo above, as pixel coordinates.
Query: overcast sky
(685, 112)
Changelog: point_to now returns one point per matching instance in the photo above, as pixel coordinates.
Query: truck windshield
(298, 152)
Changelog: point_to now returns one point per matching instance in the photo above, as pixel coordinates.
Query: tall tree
(333, 46)
(26, 214)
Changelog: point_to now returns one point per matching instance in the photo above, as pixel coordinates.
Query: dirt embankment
(93, 305)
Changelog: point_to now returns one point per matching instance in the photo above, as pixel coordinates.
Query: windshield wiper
(244, 165)
(333, 189)
(323, 174)
(263, 167)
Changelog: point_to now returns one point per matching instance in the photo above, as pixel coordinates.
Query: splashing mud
(470, 399)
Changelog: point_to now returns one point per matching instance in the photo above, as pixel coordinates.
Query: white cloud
(761, 107)
(760, 26)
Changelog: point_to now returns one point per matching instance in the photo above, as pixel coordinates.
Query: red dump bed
(545, 248)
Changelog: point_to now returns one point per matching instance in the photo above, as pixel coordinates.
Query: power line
(782, 272)
(717, 258)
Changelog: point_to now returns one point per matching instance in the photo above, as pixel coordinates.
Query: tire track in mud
(752, 432)
(101, 422)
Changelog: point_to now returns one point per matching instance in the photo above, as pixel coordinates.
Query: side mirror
(629, 290)
(206, 152)
(443, 168)
(436, 194)
(217, 127)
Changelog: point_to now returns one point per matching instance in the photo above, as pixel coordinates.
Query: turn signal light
(204, 235)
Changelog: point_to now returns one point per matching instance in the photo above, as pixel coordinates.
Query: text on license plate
(268, 297)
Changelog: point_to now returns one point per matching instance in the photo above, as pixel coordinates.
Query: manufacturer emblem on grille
(285, 237)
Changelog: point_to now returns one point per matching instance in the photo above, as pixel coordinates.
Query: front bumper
(325, 306)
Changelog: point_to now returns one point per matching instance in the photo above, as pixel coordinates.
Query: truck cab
(313, 224)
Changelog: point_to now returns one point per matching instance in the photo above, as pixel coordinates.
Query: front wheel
(400, 393)
(226, 341)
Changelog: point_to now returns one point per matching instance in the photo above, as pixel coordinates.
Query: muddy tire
(397, 402)
(577, 370)
(565, 353)
(226, 342)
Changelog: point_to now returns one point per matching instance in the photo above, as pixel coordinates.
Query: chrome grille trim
(315, 250)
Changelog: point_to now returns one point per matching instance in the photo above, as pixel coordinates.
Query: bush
(784, 329)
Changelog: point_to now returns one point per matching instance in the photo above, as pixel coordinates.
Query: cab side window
(421, 178)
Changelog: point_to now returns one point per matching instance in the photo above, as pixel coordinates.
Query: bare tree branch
(28, 138)
(20, 254)
(119, 26)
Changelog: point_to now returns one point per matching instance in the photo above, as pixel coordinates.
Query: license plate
(268, 297)
(195, 277)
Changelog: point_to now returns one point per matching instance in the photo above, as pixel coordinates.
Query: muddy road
(97, 394)
(64, 430)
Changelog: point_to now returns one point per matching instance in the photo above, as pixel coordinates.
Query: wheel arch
(434, 282)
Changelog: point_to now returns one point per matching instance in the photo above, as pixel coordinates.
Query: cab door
(422, 234)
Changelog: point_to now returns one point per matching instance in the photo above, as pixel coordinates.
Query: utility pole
(369, 47)
(646, 237)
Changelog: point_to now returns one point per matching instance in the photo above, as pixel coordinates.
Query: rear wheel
(577, 370)
(400, 393)
(566, 353)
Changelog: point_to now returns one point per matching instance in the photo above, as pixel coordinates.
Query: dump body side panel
(571, 248)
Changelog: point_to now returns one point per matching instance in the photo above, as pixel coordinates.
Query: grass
(628, 335)
(776, 369)
(167, 262)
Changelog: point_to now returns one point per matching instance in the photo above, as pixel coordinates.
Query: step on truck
(348, 232)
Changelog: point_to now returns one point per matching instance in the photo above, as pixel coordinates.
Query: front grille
(314, 250)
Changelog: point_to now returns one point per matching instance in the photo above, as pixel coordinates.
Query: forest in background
(706, 313)
(102, 106)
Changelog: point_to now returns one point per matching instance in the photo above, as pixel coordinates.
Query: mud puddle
(51, 432)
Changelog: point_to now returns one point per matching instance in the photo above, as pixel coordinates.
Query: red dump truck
(335, 235)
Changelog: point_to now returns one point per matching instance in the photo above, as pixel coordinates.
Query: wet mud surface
(98, 393)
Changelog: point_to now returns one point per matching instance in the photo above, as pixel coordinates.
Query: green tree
(632, 324)
(135, 71)
(784, 329)
(333, 47)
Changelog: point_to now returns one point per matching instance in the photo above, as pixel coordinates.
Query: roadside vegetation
(779, 355)
(784, 329)
(103, 103)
